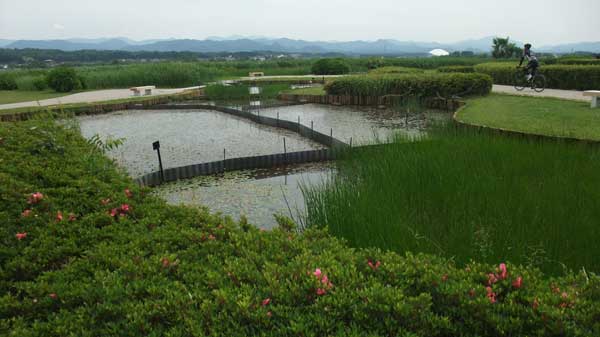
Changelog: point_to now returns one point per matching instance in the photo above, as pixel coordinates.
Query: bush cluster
(568, 77)
(7, 81)
(579, 61)
(456, 69)
(421, 85)
(64, 79)
(395, 70)
(336, 66)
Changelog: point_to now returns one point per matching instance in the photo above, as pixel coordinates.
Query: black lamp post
(156, 147)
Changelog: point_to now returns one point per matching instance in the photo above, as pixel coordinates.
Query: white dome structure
(439, 52)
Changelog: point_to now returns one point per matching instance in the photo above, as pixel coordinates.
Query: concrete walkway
(90, 97)
(564, 94)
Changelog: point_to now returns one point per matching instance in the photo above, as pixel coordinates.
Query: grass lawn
(307, 91)
(16, 96)
(545, 116)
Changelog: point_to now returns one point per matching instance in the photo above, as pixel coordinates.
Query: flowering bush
(154, 269)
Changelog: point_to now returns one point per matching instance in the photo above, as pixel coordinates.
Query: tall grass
(469, 195)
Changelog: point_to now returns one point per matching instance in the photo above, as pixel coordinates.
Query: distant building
(4, 66)
(439, 52)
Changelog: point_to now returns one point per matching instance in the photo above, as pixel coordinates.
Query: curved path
(556, 93)
(91, 96)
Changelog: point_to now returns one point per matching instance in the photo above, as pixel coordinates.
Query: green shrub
(395, 70)
(32, 82)
(422, 85)
(64, 79)
(568, 77)
(173, 271)
(456, 69)
(579, 61)
(40, 83)
(335, 66)
(7, 81)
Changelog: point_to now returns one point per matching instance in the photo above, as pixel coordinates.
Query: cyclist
(532, 62)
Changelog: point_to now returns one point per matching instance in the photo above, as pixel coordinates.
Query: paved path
(564, 94)
(90, 96)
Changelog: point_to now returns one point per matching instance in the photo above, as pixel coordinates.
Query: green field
(307, 91)
(468, 195)
(536, 115)
(16, 96)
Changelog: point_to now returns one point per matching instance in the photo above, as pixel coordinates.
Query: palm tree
(503, 48)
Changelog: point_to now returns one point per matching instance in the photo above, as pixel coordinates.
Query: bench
(256, 74)
(595, 94)
(137, 91)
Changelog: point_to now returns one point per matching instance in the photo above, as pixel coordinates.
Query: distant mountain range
(283, 45)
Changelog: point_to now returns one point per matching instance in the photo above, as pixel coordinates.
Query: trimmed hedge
(456, 69)
(126, 264)
(395, 70)
(422, 85)
(579, 61)
(568, 77)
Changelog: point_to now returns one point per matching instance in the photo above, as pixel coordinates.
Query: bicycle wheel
(538, 83)
(520, 81)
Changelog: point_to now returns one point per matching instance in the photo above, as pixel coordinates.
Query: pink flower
(374, 266)
(518, 282)
(21, 236)
(321, 291)
(325, 279)
(266, 301)
(128, 193)
(165, 262)
(211, 237)
(564, 295)
(269, 314)
(124, 208)
(53, 296)
(105, 201)
(113, 212)
(72, 217)
(492, 279)
(491, 294)
(59, 216)
(26, 213)
(317, 273)
(35, 198)
(503, 272)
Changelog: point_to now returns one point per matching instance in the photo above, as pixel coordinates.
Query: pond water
(257, 194)
(193, 136)
(186, 137)
(363, 124)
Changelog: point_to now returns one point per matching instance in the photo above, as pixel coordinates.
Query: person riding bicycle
(532, 62)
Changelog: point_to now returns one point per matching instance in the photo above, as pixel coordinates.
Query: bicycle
(537, 82)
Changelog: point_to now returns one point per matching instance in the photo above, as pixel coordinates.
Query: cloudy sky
(539, 21)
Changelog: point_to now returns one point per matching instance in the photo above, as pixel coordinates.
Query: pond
(186, 137)
(257, 194)
(364, 125)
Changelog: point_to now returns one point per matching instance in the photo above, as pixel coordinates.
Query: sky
(541, 21)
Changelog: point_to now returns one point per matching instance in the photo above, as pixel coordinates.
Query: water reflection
(257, 194)
(187, 137)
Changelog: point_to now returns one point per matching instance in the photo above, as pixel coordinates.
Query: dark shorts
(532, 67)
